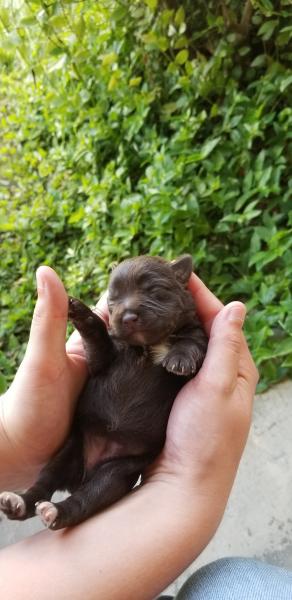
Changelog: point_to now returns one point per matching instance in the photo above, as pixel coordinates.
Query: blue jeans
(238, 579)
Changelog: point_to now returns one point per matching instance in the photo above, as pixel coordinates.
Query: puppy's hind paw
(12, 505)
(48, 513)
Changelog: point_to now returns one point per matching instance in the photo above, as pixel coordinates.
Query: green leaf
(163, 43)
(285, 83)
(169, 108)
(152, 4)
(135, 81)
(58, 65)
(113, 82)
(109, 59)
(5, 17)
(44, 169)
(259, 61)
(3, 384)
(284, 36)
(180, 16)
(261, 259)
(182, 57)
(266, 6)
(209, 146)
(58, 21)
(267, 29)
(283, 348)
(77, 216)
(27, 21)
(287, 362)
(158, 41)
(80, 28)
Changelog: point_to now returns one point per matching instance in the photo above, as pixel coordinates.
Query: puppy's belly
(98, 448)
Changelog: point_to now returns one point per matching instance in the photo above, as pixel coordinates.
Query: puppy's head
(148, 298)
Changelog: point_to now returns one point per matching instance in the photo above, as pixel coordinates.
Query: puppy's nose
(129, 318)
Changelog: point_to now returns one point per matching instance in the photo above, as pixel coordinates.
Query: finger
(49, 323)
(207, 305)
(102, 307)
(74, 344)
(221, 365)
(247, 367)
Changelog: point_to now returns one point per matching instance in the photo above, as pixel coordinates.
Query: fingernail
(41, 282)
(236, 312)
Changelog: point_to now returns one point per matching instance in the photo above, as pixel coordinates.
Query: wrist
(193, 510)
(5, 442)
(195, 489)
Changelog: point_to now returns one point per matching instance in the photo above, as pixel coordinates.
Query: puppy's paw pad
(48, 513)
(12, 505)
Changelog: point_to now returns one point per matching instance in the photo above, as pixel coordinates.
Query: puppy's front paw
(76, 309)
(80, 315)
(12, 505)
(180, 364)
(48, 513)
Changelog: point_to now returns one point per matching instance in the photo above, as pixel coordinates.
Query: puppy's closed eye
(161, 295)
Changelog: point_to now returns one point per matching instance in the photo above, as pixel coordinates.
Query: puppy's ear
(182, 268)
(112, 266)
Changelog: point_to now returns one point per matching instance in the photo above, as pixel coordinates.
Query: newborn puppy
(154, 344)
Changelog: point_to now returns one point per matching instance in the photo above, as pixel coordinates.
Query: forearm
(132, 550)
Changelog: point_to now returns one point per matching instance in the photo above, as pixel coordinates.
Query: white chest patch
(159, 352)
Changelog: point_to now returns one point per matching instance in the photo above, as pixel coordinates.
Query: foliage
(148, 127)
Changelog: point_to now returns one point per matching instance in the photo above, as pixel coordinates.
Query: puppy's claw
(184, 366)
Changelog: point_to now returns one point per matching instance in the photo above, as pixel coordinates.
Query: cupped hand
(37, 410)
(210, 419)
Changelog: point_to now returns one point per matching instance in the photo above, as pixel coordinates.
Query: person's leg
(238, 579)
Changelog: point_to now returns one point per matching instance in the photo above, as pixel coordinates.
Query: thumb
(49, 323)
(221, 364)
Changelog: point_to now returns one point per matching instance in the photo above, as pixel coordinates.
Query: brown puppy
(155, 343)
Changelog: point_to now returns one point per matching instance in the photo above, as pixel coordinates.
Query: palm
(39, 406)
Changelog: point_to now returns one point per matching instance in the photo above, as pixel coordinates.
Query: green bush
(148, 127)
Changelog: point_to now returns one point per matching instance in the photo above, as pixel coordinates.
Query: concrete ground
(258, 519)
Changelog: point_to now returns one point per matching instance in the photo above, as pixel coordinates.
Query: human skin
(135, 548)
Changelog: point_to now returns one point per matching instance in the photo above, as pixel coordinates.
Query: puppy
(154, 344)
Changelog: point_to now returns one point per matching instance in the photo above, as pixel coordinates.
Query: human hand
(210, 419)
(36, 411)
